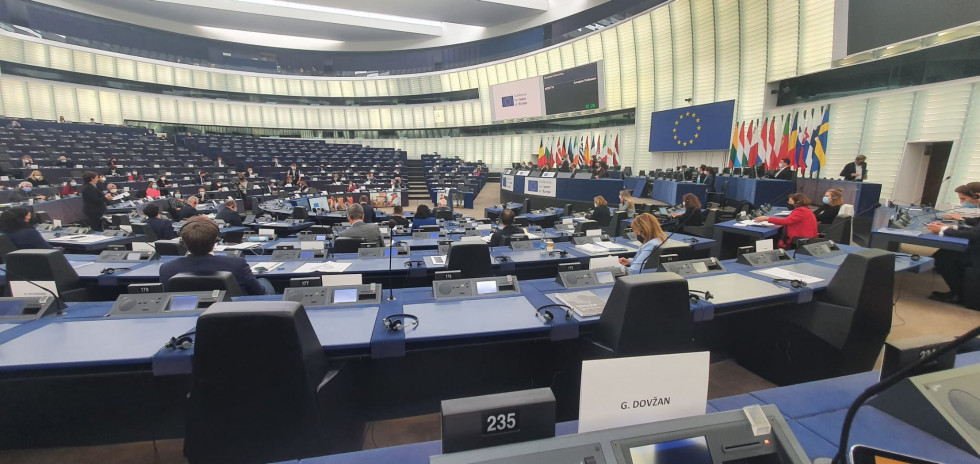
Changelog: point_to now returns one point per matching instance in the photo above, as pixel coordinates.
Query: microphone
(804, 241)
(885, 384)
(391, 252)
(654, 250)
(59, 305)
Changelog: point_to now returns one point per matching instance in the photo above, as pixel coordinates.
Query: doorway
(938, 154)
(922, 172)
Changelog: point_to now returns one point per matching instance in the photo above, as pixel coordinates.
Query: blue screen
(11, 308)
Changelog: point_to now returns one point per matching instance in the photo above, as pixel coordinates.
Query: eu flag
(701, 127)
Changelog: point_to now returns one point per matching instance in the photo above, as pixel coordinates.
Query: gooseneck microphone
(887, 383)
(391, 252)
(59, 305)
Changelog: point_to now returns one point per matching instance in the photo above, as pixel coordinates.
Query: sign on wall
(541, 186)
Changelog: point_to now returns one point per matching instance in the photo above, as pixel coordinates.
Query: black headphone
(795, 283)
(913, 257)
(695, 298)
(180, 342)
(502, 259)
(411, 263)
(690, 240)
(396, 322)
(112, 270)
(561, 253)
(548, 316)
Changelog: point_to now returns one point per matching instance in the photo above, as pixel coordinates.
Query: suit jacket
(27, 238)
(233, 264)
(851, 168)
(187, 212)
(973, 248)
(368, 212)
(601, 215)
(691, 217)
(826, 214)
(397, 221)
(19, 195)
(93, 201)
(231, 217)
(784, 174)
(800, 223)
(709, 180)
(498, 237)
(163, 228)
(367, 232)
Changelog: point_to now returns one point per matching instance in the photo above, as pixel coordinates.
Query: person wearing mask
(189, 210)
(627, 204)
(275, 162)
(243, 184)
(63, 162)
(601, 171)
(152, 191)
(692, 215)
(397, 183)
(708, 178)
(501, 237)
(162, 228)
(24, 192)
(70, 188)
(229, 214)
(351, 187)
(951, 265)
(175, 203)
(801, 223)
(650, 235)
(832, 200)
(135, 176)
(36, 178)
(601, 212)
(202, 194)
(203, 179)
(397, 218)
(220, 163)
(302, 187)
(294, 172)
(199, 234)
(162, 181)
(94, 202)
(15, 223)
(423, 217)
(856, 170)
(784, 172)
(26, 161)
(369, 233)
(101, 184)
(113, 192)
(367, 208)
(250, 173)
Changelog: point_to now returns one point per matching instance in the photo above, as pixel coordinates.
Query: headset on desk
(396, 322)
(795, 283)
(693, 295)
(548, 316)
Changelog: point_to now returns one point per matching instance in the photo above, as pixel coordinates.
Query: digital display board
(575, 89)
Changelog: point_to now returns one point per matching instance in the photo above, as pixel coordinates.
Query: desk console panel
(475, 287)
(343, 295)
(694, 267)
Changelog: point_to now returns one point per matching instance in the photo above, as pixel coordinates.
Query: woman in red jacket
(800, 223)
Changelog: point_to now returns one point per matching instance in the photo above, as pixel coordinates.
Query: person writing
(369, 233)
(951, 265)
(856, 170)
(801, 223)
(15, 223)
(601, 212)
(162, 228)
(692, 211)
(423, 217)
(828, 211)
(502, 235)
(199, 235)
(648, 232)
(627, 204)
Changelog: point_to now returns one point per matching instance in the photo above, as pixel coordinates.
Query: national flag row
(800, 137)
(579, 151)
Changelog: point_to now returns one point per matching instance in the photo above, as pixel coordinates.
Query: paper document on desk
(269, 266)
(436, 260)
(76, 265)
(585, 304)
(749, 222)
(328, 267)
(610, 246)
(240, 246)
(81, 239)
(591, 248)
(778, 273)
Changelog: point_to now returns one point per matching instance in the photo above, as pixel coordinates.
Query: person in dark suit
(24, 192)
(229, 214)
(162, 228)
(360, 229)
(856, 170)
(951, 265)
(94, 202)
(784, 172)
(397, 219)
(368, 209)
(199, 235)
(708, 177)
(600, 171)
(601, 212)
(15, 223)
(189, 210)
(830, 206)
(294, 173)
(502, 236)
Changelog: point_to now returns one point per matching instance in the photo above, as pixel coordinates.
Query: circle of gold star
(697, 131)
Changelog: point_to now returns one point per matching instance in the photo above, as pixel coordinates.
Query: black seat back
(347, 244)
(43, 265)
(6, 246)
(471, 259)
(683, 252)
(198, 281)
(631, 326)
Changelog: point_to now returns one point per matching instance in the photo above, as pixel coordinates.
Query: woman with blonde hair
(36, 179)
(828, 210)
(648, 232)
(627, 204)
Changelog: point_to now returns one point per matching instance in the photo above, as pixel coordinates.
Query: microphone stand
(391, 252)
(59, 305)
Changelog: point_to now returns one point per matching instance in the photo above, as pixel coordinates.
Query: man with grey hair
(360, 229)
(23, 193)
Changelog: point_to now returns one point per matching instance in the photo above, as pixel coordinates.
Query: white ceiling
(341, 25)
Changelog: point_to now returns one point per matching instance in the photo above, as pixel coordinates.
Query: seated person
(502, 236)
(229, 214)
(63, 162)
(601, 212)
(443, 206)
(784, 172)
(692, 211)
(627, 204)
(15, 223)
(70, 188)
(649, 233)
(199, 235)
(397, 218)
(832, 201)
(423, 217)
(360, 229)
(951, 265)
(601, 171)
(152, 191)
(189, 210)
(23, 193)
(162, 228)
(800, 223)
(36, 178)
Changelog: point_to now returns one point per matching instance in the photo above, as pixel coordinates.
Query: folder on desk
(585, 304)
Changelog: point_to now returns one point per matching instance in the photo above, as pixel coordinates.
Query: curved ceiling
(335, 25)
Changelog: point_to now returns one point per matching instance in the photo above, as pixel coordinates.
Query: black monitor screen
(688, 450)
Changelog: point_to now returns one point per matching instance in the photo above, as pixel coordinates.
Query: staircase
(415, 176)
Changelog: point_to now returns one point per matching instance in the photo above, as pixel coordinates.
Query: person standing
(856, 170)
(94, 202)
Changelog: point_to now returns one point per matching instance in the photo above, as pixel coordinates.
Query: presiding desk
(672, 192)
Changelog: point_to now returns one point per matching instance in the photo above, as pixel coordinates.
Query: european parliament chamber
(608, 231)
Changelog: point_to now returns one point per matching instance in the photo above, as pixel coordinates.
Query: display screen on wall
(576, 89)
(693, 128)
(877, 23)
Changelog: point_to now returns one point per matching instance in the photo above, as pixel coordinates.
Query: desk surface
(472, 317)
